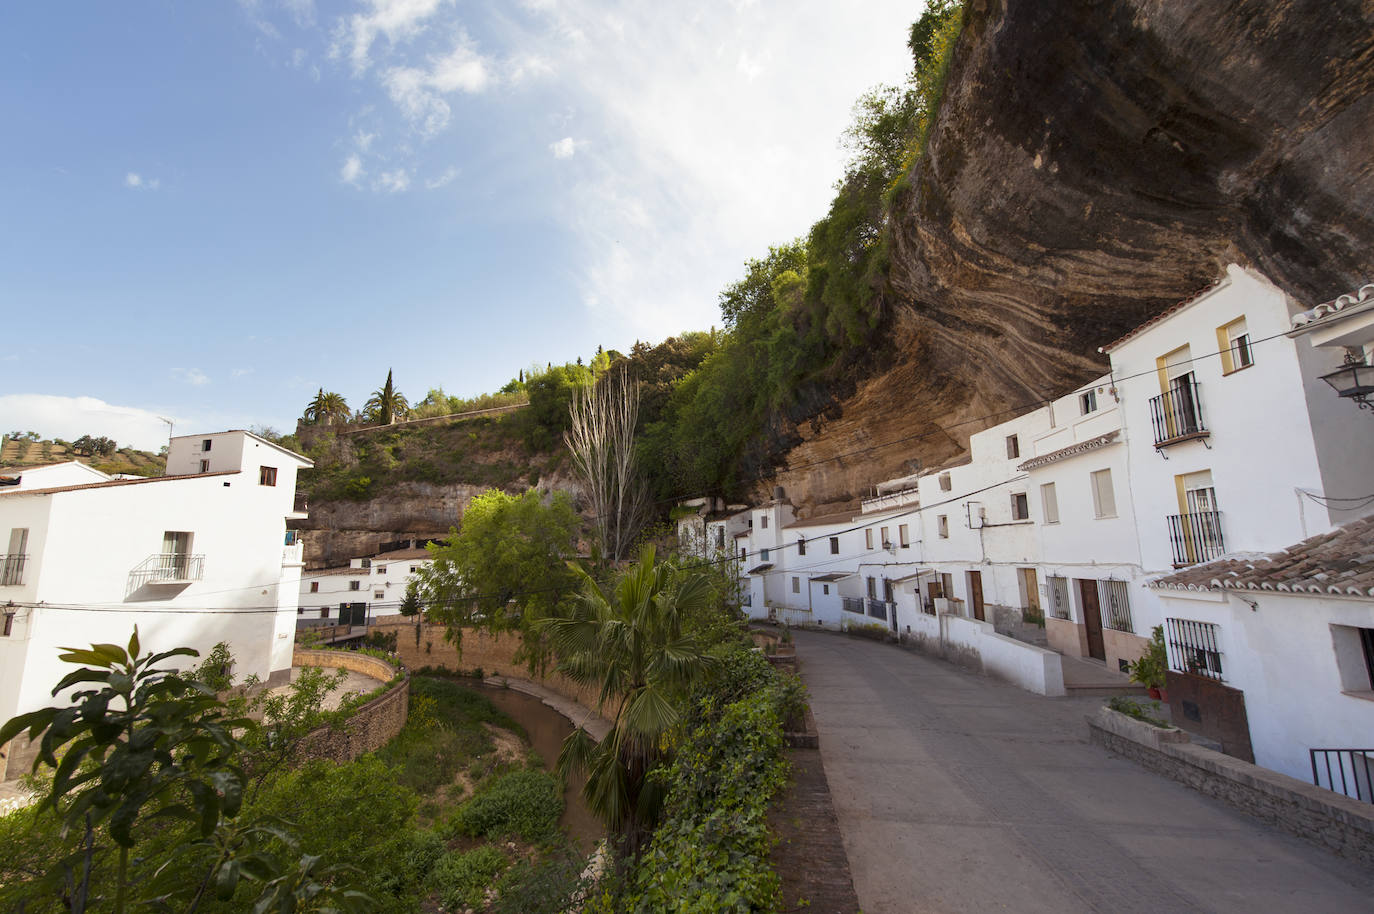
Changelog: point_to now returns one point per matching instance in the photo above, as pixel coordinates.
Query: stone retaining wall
(369, 727)
(1332, 821)
(494, 654)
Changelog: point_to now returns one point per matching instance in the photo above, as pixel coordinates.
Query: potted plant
(1149, 670)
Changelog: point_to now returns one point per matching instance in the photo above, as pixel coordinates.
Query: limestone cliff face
(1093, 163)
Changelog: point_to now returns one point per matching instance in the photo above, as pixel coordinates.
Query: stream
(547, 729)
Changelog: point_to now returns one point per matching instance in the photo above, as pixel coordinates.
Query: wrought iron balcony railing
(168, 568)
(853, 605)
(12, 569)
(1347, 771)
(879, 609)
(1196, 537)
(1177, 415)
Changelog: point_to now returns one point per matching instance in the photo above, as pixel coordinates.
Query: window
(945, 482)
(872, 589)
(379, 569)
(1020, 506)
(1013, 447)
(763, 554)
(355, 585)
(1194, 648)
(414, 568)
(205, 444)
(763, 522)
(942, 526)
(314, 586)
(743, 553)
(13, 571)
(1114, 599)
(834, 545)
(903, 538)
(1236, 349)
(720, 537)
(1087, 403)
(300, 610)
(796, 584)
(205, 466)
(1059, 597)
(1354, 657)
(378, 594)
(324, 612)
(1049, 501)
(868, 537)
(801, 546)
(267, 476)
(8, 626)
(1104, 500)
(825, 589)
(884, 538)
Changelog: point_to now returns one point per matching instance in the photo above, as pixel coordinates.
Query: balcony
(168, 568)
(1177, 415)
(1196, 537)
(12, 569)
(879, 609)
(853, 605)
(300, 506)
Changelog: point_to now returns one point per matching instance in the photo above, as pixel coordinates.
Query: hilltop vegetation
(19, 449)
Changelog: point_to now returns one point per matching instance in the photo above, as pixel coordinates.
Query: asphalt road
(955, 792)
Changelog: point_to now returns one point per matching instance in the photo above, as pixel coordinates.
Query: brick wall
(495, 654)
(1332, 821)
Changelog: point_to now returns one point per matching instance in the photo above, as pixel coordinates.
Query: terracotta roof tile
(1361, 296)
(1080, 447)
(1340, 563)
(1167, 312)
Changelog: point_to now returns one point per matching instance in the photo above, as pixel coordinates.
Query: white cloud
(352, 170)
(393, 181)
(398, 20)
(71, 417)
(240, 372)
(418, 91)
(135, 181)
(363, 140)
(193, 376)
(715, 139)
(445, 178)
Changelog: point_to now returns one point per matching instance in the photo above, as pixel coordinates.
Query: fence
(1345, 771)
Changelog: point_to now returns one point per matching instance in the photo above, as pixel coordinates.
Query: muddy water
(547, 729)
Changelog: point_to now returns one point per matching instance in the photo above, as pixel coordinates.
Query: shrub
(461, 879)
(1132, 708)
(551, 883)
(526, 803)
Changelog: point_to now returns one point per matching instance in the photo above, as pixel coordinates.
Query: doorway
(1030, 587)
(1092, 618)
(975, 594)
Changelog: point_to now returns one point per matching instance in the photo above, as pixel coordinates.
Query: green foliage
(381, 641)
(461, 879)
(437, 403)
(525, 803)
(632, 643)
(550, 883)
(387, 404)
(551, 393)
(1150, 669)
(328, 408)
(710, 853)
(217, 669)
(1132, 708)
(506, 566)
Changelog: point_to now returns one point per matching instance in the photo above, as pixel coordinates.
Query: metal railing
(12, 569)
(1345, 771)
(853, 605)
(292, 538)
(1177, 414)
(1196, 537)
(169, 568)
(878, 609)
(1114, 598)
(1193, 648)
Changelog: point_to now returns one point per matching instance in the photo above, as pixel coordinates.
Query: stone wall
(369, 727)
(1332, 821)
(494, 654)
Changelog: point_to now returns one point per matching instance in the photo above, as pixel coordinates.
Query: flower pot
(1153, 692)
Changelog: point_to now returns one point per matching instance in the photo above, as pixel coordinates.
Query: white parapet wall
(976, 645)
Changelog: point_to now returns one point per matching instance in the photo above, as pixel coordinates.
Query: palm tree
(327, 407)
(387, 405)
(631, 645)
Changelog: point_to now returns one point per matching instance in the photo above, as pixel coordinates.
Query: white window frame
(903, 536)
(1020, 506)
(1103, 508)
(1049, 503)
(1087, 402)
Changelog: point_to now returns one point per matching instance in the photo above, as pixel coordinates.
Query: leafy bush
(461, 879)
(1132, 708)
(547, 884)
(526, 803)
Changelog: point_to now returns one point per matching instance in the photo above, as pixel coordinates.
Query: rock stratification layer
(1091, 164)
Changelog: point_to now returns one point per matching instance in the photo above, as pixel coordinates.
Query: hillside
(19, 452)
(1090, 165)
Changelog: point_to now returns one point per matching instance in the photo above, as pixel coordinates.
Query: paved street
(959, 793)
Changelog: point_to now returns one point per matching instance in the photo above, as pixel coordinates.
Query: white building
(364, 589)
(1281, 655)
(49, 475)
(708, 532)
(192, 558)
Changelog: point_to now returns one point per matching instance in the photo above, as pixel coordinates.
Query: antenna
(170, 425)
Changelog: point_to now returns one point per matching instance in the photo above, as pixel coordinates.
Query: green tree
(328, 408)
(387, 404)
(631, 642)
(508, 565)
(140, 753)
(551, 394)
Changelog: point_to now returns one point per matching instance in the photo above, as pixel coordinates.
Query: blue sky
(212, 209)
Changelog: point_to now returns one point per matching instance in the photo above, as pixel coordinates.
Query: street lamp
(1354, 380)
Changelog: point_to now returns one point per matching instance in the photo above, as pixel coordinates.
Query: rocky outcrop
(1093, 163)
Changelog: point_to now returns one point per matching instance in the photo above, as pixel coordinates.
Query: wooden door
(1032, 588)
(975, 594)
(1092, 618)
